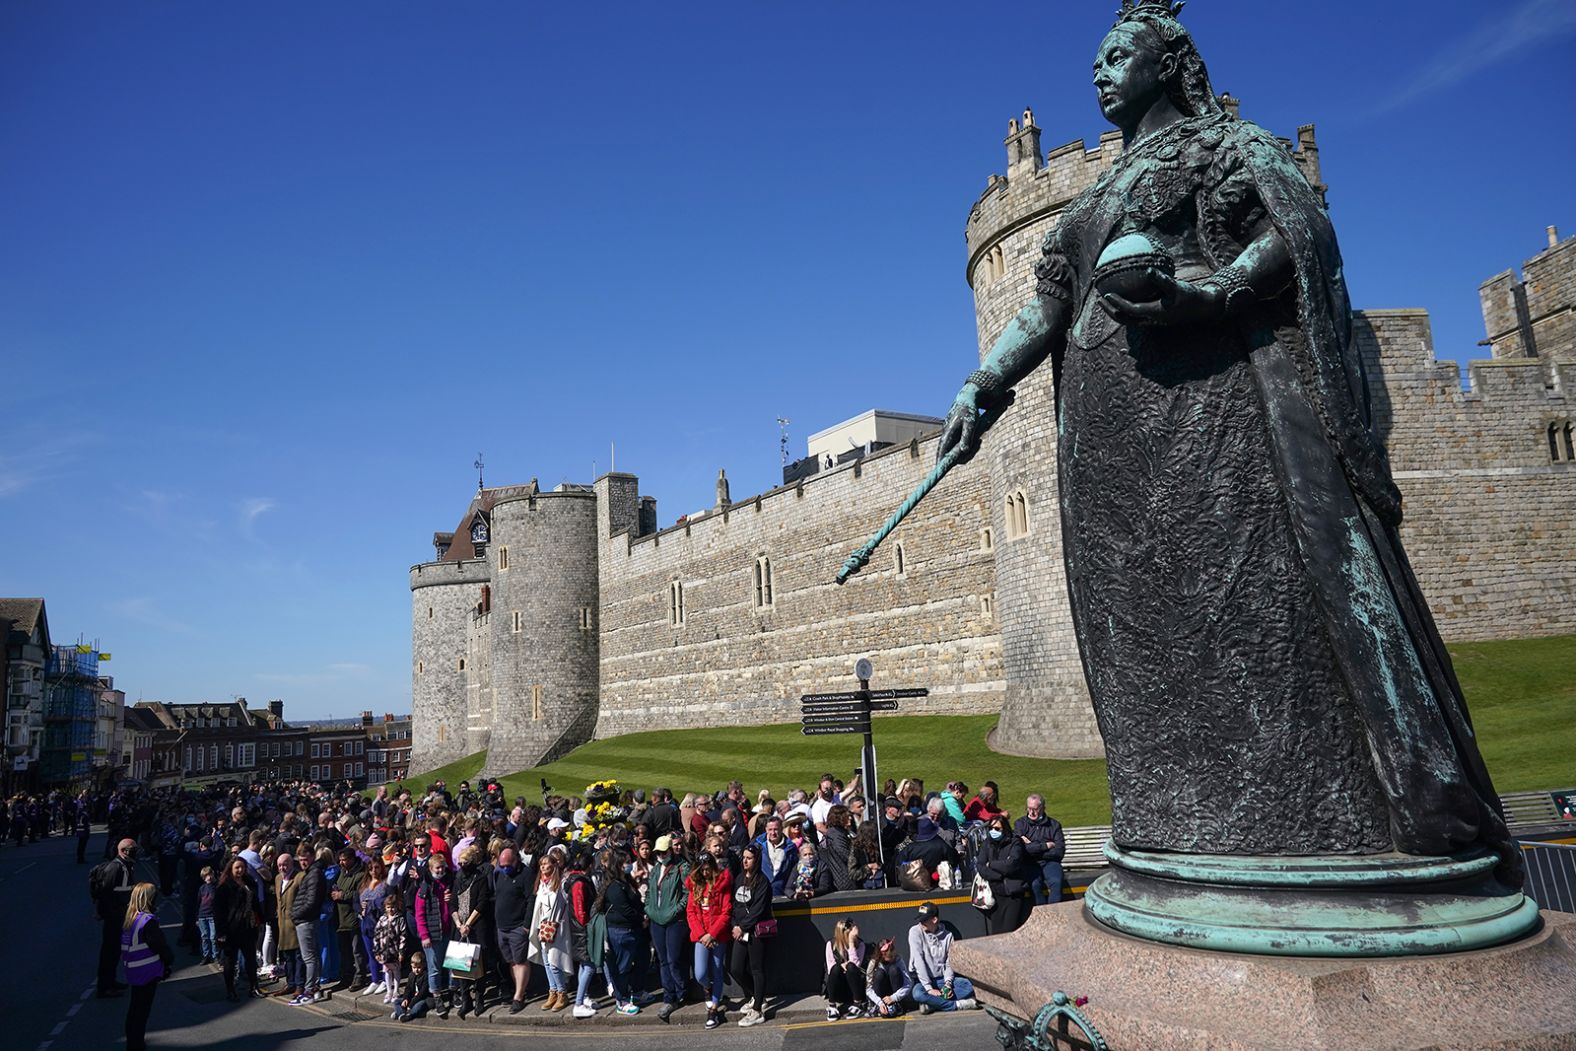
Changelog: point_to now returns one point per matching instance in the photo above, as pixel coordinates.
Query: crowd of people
(443, 902)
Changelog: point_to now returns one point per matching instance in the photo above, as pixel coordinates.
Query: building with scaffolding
(71, 707)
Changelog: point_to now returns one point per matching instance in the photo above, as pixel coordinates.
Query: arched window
(1017, 515)
(987, 539)
(899, 559)
(503, 557)
(676, 603)
(763, 582)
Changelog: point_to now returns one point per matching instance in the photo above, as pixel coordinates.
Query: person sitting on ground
(844, 987)
(935, 987)
(415, 998)
(887, 981)
(984, 806)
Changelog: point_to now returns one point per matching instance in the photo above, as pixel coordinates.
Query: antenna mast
(478, 465)
(782, 438)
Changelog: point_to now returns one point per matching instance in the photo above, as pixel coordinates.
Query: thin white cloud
(1507, 32)
(252, 508)
(40, 462)
(145, 611)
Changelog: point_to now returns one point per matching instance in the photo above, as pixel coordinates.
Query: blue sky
(272, 274)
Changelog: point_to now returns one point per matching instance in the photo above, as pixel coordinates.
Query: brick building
(337, 753)
(388, 748)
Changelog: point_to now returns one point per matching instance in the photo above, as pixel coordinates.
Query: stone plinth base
(1146, 996)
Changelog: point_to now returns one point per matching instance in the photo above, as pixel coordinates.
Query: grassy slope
(1521, 693)
(452, 774)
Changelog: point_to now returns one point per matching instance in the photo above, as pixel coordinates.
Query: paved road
(48, 970)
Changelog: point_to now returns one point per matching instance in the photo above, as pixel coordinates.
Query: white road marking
(60, 1027)
(72, 1013)
(44, 1046)
(87, 994)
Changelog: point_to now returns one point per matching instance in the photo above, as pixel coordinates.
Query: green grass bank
(1522, 694)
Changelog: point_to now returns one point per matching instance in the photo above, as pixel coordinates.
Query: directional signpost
(848, 712)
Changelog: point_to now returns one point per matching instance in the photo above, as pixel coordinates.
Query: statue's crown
(1132, 9)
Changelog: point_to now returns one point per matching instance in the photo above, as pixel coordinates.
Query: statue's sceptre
(958, 454)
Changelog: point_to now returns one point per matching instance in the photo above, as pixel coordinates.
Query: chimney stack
(276, 709)
(1554, 236)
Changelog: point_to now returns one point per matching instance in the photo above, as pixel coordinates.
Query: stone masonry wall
(543, 627)
(442, 597)
(1540, 305)
(1489, 521)
(730, 662)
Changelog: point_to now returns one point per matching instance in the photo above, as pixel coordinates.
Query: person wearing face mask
(667, 908)
(1004, 862)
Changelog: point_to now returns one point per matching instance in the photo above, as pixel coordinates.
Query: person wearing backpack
(109, 885)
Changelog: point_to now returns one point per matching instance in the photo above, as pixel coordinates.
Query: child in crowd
(887, 980)
(205, 925)
(804, 877)
(388, 941)
(415, 997)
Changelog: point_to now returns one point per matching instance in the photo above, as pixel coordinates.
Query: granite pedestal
(1147, 996)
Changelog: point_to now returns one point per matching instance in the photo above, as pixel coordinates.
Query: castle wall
(1534, 314)
(442, 597)
(730, 662)
(542, 627)
(1489, 521)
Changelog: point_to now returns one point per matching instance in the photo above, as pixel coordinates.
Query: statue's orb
(1125, 269)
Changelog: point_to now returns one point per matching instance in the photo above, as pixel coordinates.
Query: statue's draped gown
(1265, 672)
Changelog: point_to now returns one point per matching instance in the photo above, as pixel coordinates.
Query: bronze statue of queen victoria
(1264, 668)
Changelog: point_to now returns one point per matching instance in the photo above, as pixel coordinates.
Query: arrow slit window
(763, 583)
(675, 603)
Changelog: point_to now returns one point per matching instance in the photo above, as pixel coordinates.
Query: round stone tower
(443, 598)
(1046, 711)
(543, 626)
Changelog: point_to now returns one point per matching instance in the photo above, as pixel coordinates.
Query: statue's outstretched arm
(1037, 332)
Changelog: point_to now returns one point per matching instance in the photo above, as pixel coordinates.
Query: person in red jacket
(985, 805)
(711, 929)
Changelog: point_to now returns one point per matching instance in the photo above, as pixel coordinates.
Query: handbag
(547, 931)
(461, 957)
(914, 875)
(766, 929)
(982, 897)
(946, 876)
